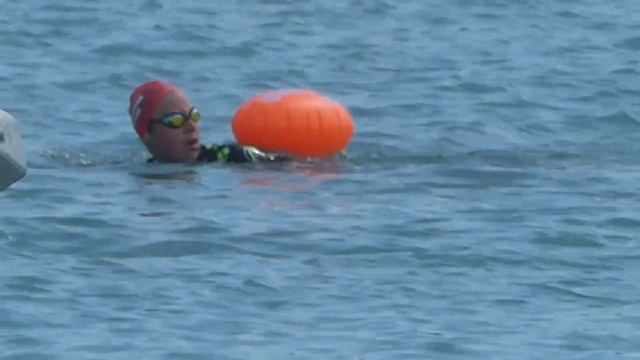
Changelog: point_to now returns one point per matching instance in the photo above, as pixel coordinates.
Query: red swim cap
(144, 101)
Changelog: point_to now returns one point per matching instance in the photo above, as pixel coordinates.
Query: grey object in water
(13, 162)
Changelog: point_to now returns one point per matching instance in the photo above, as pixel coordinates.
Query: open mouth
(193, 144)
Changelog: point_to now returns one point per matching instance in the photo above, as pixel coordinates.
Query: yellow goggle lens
(177, 120)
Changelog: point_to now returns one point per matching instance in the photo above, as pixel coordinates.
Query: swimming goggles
(177, 120)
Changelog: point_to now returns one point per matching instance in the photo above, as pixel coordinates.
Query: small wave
(116, 49)
(622, 222)
(74, 221)
(469, 88)
(596, 96)
(152, 5)
(478, 88)
(167, 172)
(566, 14)
(520, 104)
(565, 292)
(67, 8)
(624, 71)
(617, 119)
(632, 43)
(172, 249)
(85, 158)
(568, 239)
(58, 23)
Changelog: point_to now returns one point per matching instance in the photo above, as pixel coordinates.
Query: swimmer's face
(173, 144)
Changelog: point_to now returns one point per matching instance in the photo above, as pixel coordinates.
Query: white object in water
(13, 163)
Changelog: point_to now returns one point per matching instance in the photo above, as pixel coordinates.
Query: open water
(487, 208)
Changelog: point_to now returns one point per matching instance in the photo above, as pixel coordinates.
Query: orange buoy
(297, 122)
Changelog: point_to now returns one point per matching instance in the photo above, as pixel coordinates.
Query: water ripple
(489, 195)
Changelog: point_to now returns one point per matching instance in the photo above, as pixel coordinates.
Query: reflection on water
(489, 195)
(299, 175)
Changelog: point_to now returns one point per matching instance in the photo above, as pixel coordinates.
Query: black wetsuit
(234, 153)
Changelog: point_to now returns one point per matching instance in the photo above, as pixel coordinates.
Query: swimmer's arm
(243, 154)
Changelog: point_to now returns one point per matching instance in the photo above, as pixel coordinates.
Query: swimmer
(169, 126)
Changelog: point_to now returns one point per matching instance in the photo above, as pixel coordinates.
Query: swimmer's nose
(190, 126)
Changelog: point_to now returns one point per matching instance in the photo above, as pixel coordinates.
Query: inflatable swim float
(297, 122)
